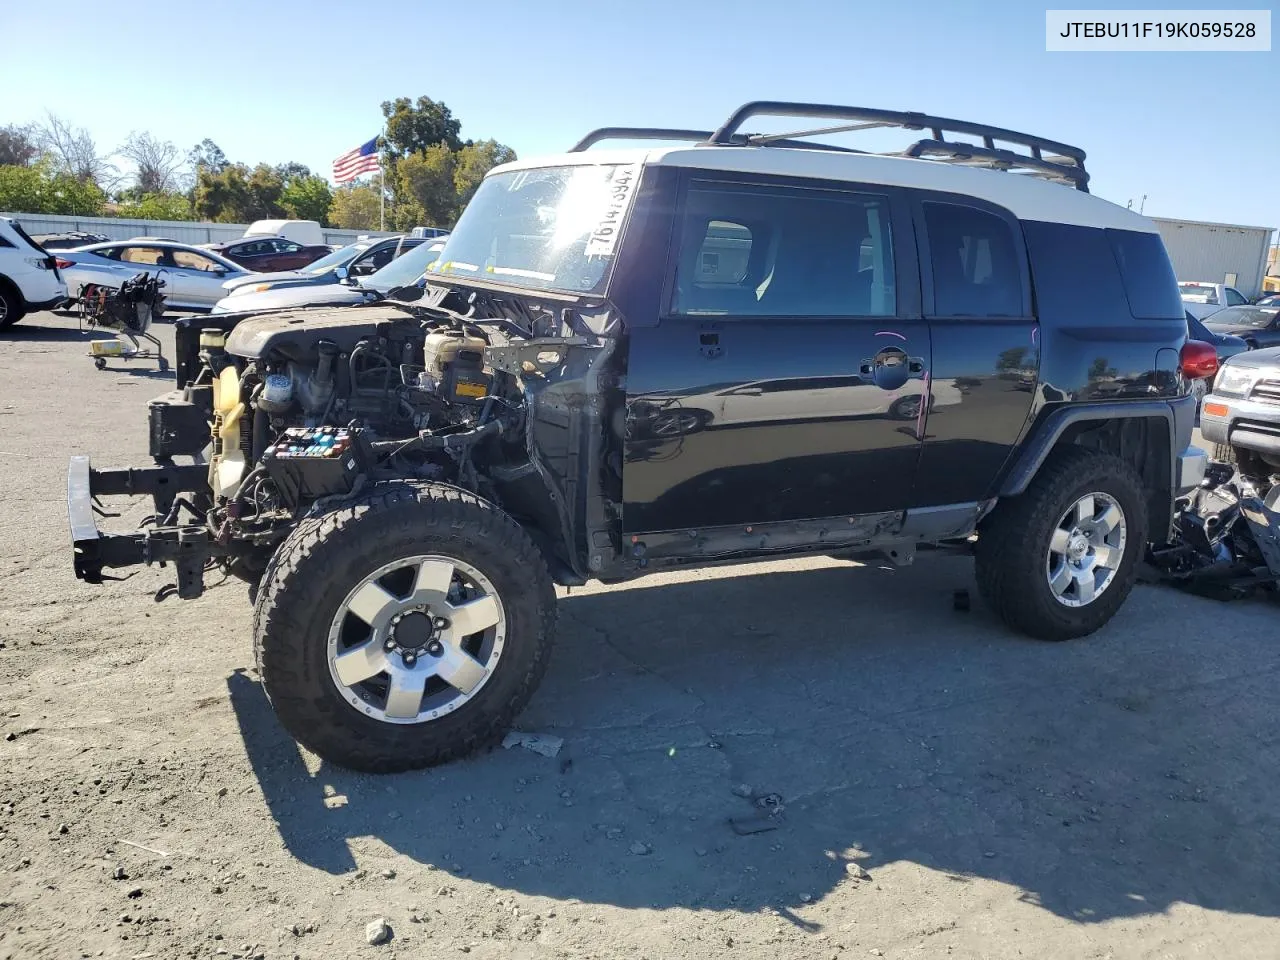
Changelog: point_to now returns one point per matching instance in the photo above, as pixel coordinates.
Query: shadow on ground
(1111, 777)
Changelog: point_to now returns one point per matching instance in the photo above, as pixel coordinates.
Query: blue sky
(1195, 132)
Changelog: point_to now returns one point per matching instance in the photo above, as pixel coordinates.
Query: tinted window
(194, 261)
(975, 262)
(147, 255)
(1147, 274)
(780, 252)
(1235, 298)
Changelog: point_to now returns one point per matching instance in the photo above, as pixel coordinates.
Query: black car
(624, 362)
(1226, 344)
(1258, 326)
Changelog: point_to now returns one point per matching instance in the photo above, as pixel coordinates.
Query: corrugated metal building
(1217, 252)
(183, 231)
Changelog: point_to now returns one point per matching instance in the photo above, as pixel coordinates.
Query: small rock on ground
(641, 849)
(743, 790)
(377, 931)
(855, 870)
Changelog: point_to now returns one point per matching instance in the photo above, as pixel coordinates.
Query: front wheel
(1058, 561)
(404, 630)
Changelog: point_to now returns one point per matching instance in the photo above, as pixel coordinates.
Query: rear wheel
(12, 308)
(1059, 560)
(404, 630)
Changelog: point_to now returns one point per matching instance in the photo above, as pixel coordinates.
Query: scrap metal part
(1226, 540)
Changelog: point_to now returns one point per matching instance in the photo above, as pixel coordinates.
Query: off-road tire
(1013, 544)
(326, 556)
(12, 307)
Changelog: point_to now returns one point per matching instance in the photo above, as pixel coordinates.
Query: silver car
(193, 277)
(405, 270)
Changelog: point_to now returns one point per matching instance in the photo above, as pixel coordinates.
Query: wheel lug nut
(441, 623)
(410, 659)
(389, 644)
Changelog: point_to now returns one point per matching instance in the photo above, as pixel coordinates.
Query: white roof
(1026, 197)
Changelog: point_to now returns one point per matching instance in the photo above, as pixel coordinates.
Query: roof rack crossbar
(759, 139)
(972, 155)
(1067, 166)
(696, 136)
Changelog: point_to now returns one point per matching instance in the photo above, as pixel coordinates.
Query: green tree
(425, 189)
(414, 127)
(354, 207)
(307, 197)
(238, 194)
(157, 206)
(472, 162)
(207, 155)
(44, 189)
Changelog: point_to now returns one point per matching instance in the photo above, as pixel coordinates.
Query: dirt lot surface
(1114, 797)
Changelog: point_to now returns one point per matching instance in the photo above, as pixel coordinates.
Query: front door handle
(890, 368)
(709, 345)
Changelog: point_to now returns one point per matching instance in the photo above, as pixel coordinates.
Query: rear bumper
(188, 547)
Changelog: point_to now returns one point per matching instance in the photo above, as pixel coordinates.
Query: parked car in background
(360, 259)
(1226, 346)
(69, 240)
(193, 276)
(1268, 300)
(403, 271)
(1257, 326)
(305, 232)
(1205, 299)
(29, 277)
(271, 253)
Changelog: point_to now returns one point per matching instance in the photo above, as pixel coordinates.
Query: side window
(755, 250)
(144, 255)
(194, 261)
(974, 261)
(1149, 282)
(1235, 298)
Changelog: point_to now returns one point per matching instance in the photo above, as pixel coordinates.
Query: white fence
(184, 231)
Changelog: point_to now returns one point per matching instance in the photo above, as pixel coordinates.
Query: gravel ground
(935, 785)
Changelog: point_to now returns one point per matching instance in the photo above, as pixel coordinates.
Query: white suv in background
(29, 278)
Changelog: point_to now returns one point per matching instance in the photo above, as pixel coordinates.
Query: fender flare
(1050, 428)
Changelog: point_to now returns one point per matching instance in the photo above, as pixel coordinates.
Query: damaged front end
(1226, 540)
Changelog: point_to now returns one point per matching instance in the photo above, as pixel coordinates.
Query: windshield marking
(621, 187)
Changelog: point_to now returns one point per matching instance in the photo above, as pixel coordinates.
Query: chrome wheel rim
(4, 308)
(1086, 548)
(416, 639)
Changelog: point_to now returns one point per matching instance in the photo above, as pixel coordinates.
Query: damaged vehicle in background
(359, 259)
(403, 483)
(405, 270)
(1257, 326)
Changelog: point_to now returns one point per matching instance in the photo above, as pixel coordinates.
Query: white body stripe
(1026, 197)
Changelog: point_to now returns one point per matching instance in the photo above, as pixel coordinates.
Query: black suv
(752, 347)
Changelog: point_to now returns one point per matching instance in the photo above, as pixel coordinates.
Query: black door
(786, 377)
(986, 349)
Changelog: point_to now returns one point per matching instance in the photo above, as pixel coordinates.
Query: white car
(1202, 299)
(193, 277)
(29, 278)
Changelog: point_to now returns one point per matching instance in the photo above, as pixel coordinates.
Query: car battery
(307, 463)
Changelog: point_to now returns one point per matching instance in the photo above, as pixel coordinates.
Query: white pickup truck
(1205, 299)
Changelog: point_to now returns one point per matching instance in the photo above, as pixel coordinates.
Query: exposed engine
(382, 393)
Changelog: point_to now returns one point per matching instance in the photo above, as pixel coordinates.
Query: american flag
(363, 159)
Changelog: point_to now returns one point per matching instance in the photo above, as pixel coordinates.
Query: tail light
(63, 264)
(1199, 360)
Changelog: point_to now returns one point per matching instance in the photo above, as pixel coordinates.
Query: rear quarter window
(1150, 285)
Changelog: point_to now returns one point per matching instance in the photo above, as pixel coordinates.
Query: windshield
(1198, 292)
(339, 258)
(550, 228)
(405, 269)
(1244, 317)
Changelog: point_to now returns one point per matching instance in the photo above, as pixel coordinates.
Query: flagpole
(382, 189)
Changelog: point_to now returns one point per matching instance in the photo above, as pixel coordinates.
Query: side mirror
(406, 294)
(341, 273)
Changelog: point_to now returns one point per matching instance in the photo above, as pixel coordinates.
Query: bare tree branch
(19, 146)
(75, 152)
(156, 163)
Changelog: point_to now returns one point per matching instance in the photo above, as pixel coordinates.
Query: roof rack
(1043, 158)
(1063, 163)
(695, 136)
